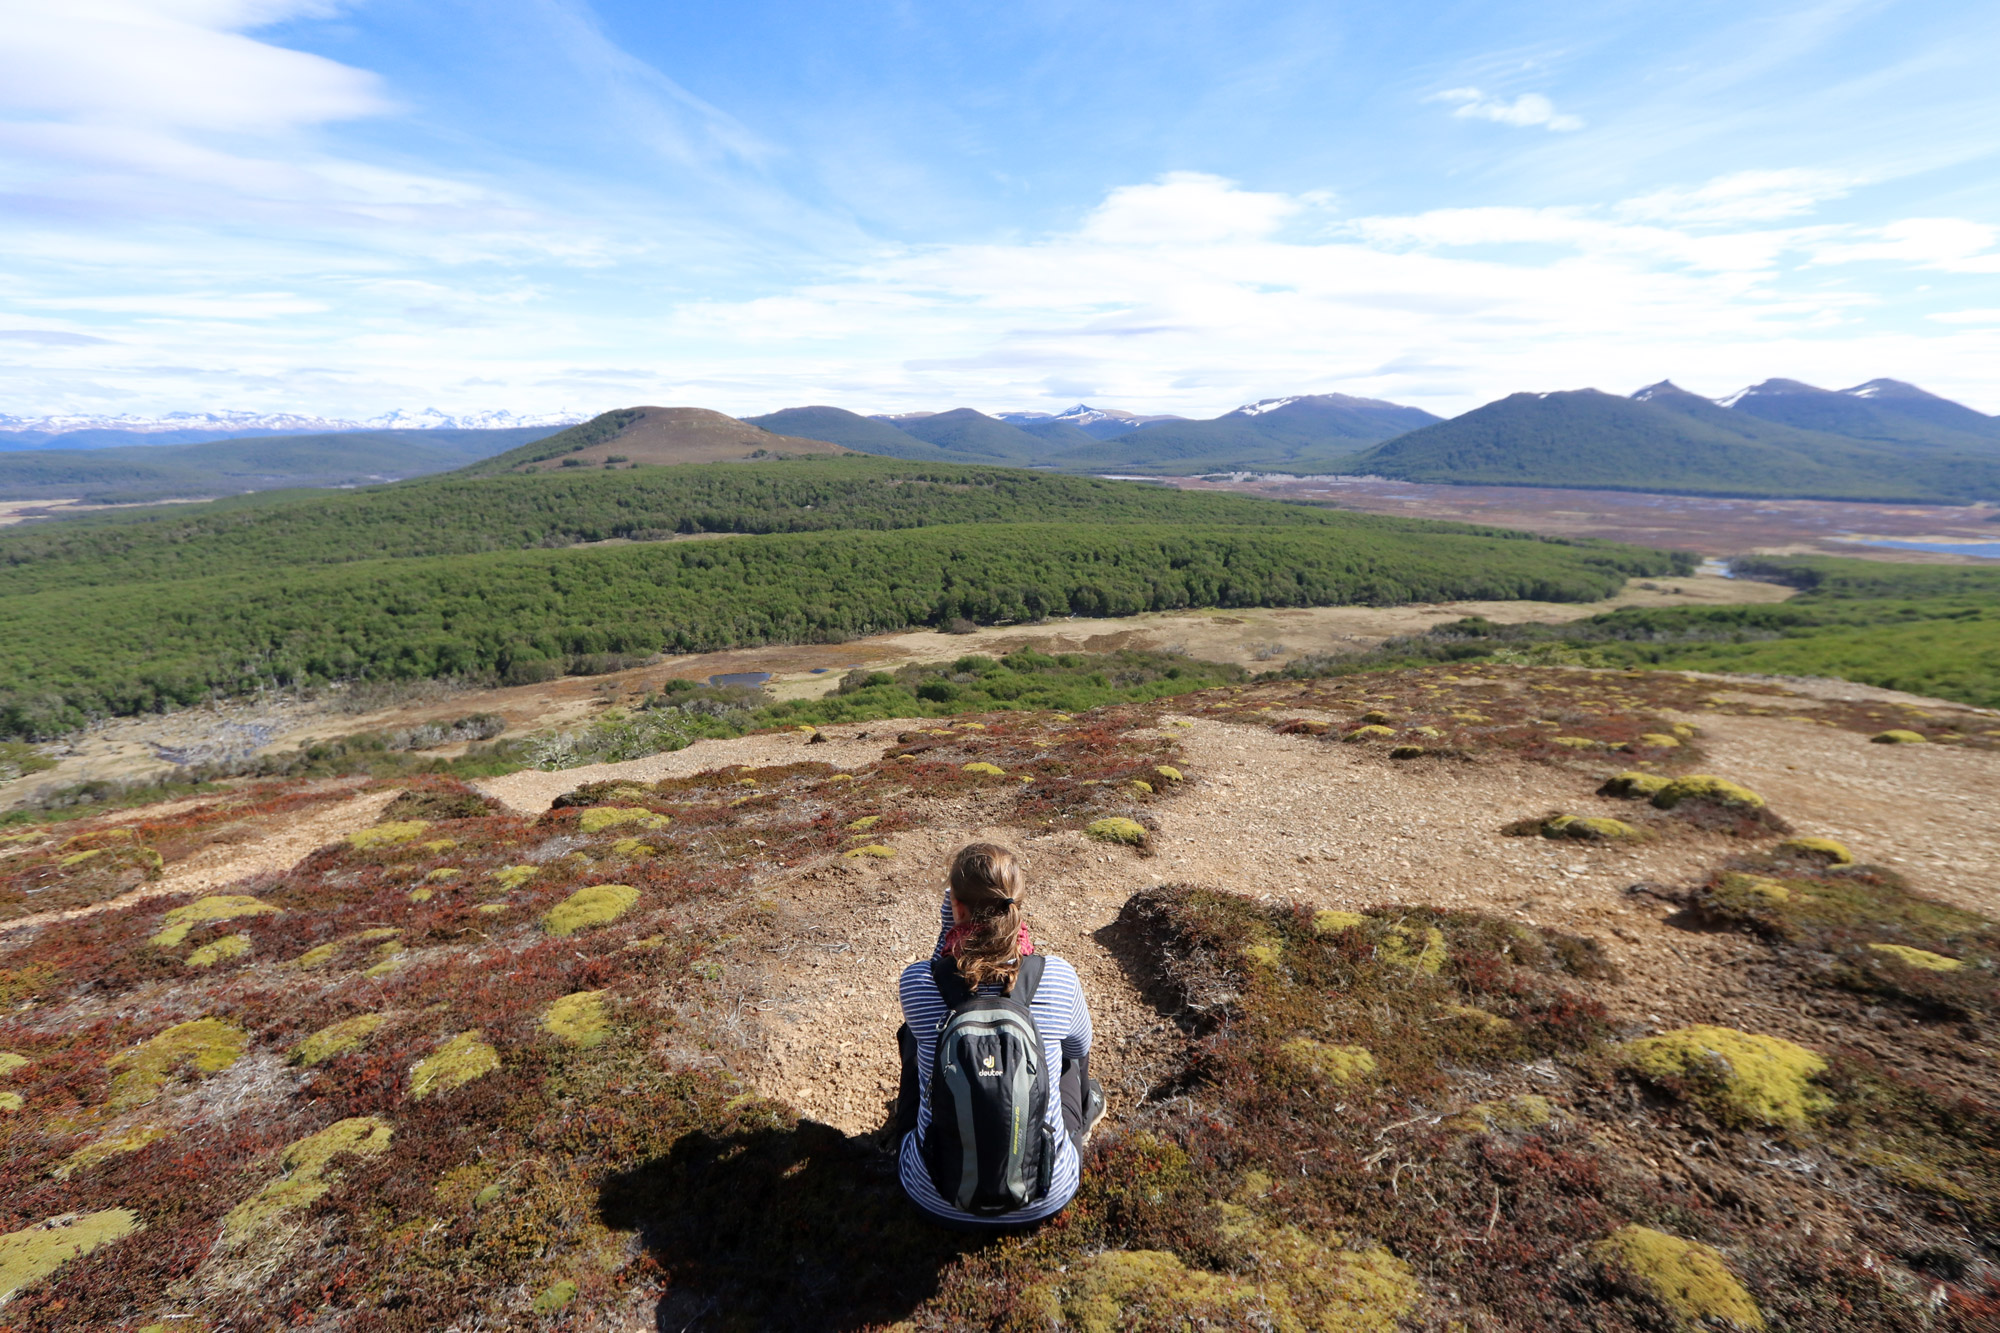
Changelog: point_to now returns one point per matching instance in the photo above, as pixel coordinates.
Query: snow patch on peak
(287, 423)
(1263, 405)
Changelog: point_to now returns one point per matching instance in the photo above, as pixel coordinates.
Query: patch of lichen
(115, 1144)
(307, 1172)
(33, 1253)
(394, 833)
(578, 1019)
(1688, 1280)
(596, 819)
(174, 927)
(1118, 829)
(1577, 828)
(207, 1045)
(593, 905)
(219, 950)
(1738, 1077)
(1861, 928)
(337, 1039)
(465, 1057)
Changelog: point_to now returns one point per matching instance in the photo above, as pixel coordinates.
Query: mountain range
(1882, 440)
(89, 431)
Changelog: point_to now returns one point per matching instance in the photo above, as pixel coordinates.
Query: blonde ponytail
(986, 881)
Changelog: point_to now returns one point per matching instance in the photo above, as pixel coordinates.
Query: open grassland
(613, 1063)
(73, 653)
(1923, 629)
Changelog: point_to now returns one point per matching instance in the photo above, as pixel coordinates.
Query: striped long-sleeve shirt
(1063, 1019)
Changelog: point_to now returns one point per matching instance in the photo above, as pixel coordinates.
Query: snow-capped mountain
(284, 423)
(1102, 422)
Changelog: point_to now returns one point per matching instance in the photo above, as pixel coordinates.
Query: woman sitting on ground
(977, 1062)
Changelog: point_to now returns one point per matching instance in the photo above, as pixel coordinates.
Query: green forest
(463, 516)
(158, 628)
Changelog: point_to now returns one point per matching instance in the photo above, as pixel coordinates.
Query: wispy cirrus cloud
(1527, 111)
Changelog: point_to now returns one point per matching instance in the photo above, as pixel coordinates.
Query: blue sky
(543, 205)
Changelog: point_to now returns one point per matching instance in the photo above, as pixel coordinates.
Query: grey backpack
(988, 1147)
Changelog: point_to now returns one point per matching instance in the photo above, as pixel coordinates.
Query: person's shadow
(801, 1229)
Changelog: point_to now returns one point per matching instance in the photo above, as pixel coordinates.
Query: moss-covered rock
(1374, 732)
(1899, 736)
(990, 770)
(1339, 1065)
(594, 905)
(1575, 742)
(578, 1019)
(1744, 1075)
(1169, 772)
(307, 1169)
(1823, 850)
(1118, 829)
(1687, 1278)
(1408, 752)
(1712, 790)
(881, 851)
(459, 1061)
(394, 833)
(348, 1034)
(601, 817)
(32, 1253)
(1657, 740)
(210, 1045)
(11, 1061)
(174, 927)
(1633, 785)
(219, 950)
(1919, 958)
(1375, 717)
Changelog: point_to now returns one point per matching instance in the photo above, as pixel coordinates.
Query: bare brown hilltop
(661, 435)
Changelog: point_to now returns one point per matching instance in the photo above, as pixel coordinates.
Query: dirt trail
(1327, 825)
(275, 846)
(530, 791)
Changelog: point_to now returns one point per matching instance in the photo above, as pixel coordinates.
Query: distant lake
(740, 678)
(1983, 550)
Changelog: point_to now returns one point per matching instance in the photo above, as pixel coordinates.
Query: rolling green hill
(263, 462)
(974, 434)
(1668, 440)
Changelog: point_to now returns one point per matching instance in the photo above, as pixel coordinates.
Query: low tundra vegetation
(1385, 1119)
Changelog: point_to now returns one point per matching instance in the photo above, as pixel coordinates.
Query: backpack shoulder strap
(1027, 976)
(944, 974)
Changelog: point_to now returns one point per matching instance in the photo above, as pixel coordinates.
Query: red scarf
(957, 936)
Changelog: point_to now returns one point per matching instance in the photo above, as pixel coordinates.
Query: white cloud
(1187, 207)
(1954, 245)
(182, 64)
(1526, 111)
(1743, 196)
